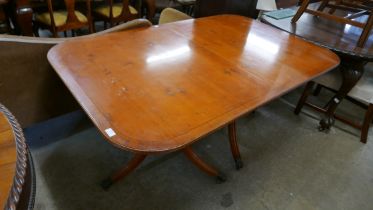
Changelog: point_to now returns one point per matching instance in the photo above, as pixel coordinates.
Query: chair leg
(365, 128)
(300, 11)
(317, 91)
(322, 5)
(365, 34)
(303, 98)
(234, 146)
(55, 34)
(202, 165)
(131, 165)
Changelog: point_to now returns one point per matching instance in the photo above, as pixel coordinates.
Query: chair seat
(117, 10)
(169, 15)
(363, 90)
(60, 18)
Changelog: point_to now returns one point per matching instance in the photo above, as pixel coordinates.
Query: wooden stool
(358, 7)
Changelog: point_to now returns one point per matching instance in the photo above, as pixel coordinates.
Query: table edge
(22, 162)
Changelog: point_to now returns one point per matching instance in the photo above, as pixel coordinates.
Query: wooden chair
(361, 94)
(169, 15)
(156, 6)
(63, 20)
(358, 7)
(188, 6)
(114, 13)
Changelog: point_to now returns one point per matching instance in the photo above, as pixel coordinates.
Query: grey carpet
(288, 164)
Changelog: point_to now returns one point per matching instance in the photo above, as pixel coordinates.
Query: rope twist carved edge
(21, 164)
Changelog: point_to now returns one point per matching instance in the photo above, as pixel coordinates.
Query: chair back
(125, 15)
(72, 21)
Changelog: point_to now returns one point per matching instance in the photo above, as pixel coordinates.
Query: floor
(288, 164)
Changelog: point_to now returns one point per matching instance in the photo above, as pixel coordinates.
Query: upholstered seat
(63, 20)
(169, 15)
(60, 18)
(361, 94)
(117, 10)
(363, 91)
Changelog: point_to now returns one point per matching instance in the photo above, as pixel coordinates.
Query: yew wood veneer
(162, 88)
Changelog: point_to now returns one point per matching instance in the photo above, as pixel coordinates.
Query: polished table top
(8, 158)
(16, 175)
(328, 33)
(161, 88)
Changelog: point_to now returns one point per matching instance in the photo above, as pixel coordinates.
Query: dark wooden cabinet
(215, 7)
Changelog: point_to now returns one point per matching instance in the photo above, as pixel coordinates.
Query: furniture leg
(317, 91)
(191, 155)
(366, 31)
(323, 5)
(352, 71)
(367, 120)
(128, 168)
(234, 146)
(22, 18)
(300, 11)
(303, 98)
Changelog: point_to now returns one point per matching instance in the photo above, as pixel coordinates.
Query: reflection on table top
(331, 34)
(162, 88)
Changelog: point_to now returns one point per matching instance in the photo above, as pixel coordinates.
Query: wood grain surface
(162, 88)
(328, 33)
(8, 158)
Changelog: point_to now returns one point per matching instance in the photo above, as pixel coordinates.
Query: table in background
(17, 179)
(160, 89)
(340, 38)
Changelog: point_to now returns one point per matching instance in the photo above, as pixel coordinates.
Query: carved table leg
(202, 165)
(131, 165)
(234, 146)
(351, 71)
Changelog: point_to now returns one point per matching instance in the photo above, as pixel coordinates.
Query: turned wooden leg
(131, 165)
(365, 128)
(234, 146)
(202, 165)
(303, 98)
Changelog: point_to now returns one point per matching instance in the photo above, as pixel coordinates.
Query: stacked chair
(361, 95)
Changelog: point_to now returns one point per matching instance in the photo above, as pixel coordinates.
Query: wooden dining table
(162, 88)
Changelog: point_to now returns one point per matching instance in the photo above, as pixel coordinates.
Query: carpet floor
(288, 164)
